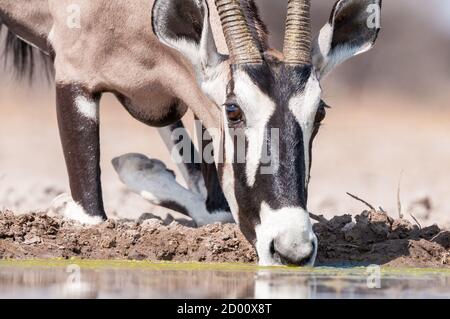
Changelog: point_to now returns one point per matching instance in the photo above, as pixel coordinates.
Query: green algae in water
(173, 266)
(49, 278)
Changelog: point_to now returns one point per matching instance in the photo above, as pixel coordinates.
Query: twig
(440, 233)
(346, 245)
(320, 218)
(362, 201)
(399, 201)
(417, 222)
(382, 210)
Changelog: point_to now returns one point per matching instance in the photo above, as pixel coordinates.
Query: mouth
(283, 261)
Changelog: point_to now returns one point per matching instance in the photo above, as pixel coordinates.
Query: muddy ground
(371, 237)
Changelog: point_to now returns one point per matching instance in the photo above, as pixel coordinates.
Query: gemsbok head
(271, 104)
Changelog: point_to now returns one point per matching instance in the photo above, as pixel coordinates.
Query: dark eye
(234, 113)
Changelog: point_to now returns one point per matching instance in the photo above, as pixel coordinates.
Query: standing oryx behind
(245, 95)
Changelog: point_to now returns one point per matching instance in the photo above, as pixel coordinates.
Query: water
(122, 279)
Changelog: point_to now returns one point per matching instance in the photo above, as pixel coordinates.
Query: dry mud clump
(371, 237)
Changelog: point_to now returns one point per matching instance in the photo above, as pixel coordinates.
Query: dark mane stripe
(23, 57)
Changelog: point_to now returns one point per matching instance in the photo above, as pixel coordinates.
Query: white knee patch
(87, 107)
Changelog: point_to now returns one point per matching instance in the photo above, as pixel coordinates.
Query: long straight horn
(240, 41)
(297, 41)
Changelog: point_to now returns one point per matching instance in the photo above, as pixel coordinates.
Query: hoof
(151, 179)
(65, 207)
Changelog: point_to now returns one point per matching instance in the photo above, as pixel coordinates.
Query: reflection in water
(284, 285)
(76, 282)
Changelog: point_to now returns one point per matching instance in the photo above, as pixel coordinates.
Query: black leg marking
(190, 169)
(215, 200)
(197, 176)
(81, 145)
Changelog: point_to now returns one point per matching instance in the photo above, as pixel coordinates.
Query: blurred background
(390, 121)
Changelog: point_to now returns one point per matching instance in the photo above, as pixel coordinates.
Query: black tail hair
(23, 58)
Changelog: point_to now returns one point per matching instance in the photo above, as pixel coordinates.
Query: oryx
(159, 57)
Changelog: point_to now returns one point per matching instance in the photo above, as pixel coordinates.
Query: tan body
(108, 46)
(152, 77)
(30, 20)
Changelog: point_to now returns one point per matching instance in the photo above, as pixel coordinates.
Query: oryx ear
(184, 25)
(352, 29)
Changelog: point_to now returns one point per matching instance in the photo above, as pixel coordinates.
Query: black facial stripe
(293, 80)
(286, 187)
(290, 186)
(248, 215)
(279, 81)
(263, 76)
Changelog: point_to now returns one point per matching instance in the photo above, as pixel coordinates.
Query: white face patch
(258, 109)
(304, 107)
(291, 227)
(228, 190)
(87, 107)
